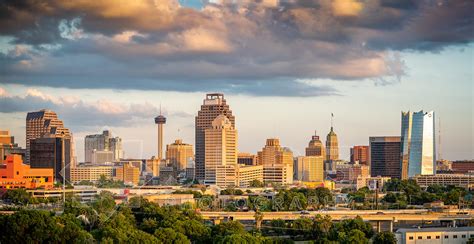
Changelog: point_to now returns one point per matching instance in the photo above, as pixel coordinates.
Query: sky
(284, 67)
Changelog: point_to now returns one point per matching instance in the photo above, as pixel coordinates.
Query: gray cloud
(255, 48)
(80, 114)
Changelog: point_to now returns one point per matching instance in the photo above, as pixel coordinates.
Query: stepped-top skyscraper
(41, 123)
(315, 147)
(213, 106)
(418, 156)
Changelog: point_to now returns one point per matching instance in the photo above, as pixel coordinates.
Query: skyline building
(384, 156)
(332, 150)
(315, 147)
(43, 122)
(360, 154)
(277, 163)
(418, 152)
(178, 154)
(9, 147)
(221, 152)
(213, 105)
(54, 152)
(309, 168)
(100, 147)
(160, 120)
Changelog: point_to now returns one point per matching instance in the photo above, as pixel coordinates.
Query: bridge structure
(375, 216)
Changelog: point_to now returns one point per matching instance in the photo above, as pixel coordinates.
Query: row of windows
(438, 237)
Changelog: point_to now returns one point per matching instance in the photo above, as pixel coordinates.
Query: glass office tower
(418, 144)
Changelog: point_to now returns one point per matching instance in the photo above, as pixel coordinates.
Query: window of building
(428, 237)
(455, 236)
(437, 237)
(420, 237)
(446, 237)
(411, 237)
(463, 236)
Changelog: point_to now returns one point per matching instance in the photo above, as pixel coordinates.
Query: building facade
(90, 173)
(463, 166)
(457, 235)
(43, 122)
(220, 152)
(384, 156)
(277, 163)
(8, 147)
(246, 158)
(315, 147)
(14, 174)
(52, 152)
(418, 152)
(178, 154)
(213, 106)
(247, 173)
(332, 150)
(360, 154)
(459, 180)
(128, 173)
(309, 168)
(98, 143)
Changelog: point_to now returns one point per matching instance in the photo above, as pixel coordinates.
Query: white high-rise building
(102, 143)
(418, 156)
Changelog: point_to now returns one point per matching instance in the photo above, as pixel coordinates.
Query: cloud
(80, 114)
(249, 47)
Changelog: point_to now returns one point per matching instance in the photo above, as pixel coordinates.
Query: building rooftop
(436, 229)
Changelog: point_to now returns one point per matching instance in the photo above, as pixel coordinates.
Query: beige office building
(42, 123)
(153, 166)
(178, 154)
(220, 152)
(309, 168)
(128, 173)
(459, 180)
(247, 173)
(277, 163)
(332, 150)
(90, 173)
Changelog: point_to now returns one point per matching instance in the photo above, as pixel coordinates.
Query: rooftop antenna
(160, 109)
(332, 120)
(439, 138)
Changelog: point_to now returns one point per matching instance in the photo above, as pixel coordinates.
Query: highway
(369, 215)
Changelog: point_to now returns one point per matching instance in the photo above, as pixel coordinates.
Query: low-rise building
(15, 174)
(127, 173)
(90, 173)
(82, 194)
(435, 235)
(248, 173)
(460, 180)
(170, 199)
(462, 167)
(372, 182)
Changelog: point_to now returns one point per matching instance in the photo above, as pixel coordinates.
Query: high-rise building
(178, 154)
(102, 144)
(360, 154)
(309, 168)
(315, 147)
(220, 152)
(332, 150)
(384, 156)
(418, 154)
(9, 147)
(40, 123)
(277, 163)
(213, 106)
(160, 120)
(52, 152)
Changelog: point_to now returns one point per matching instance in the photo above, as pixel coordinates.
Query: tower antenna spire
(332, 120)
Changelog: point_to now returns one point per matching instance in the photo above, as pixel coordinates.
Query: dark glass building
(384, 156)
(52, 152)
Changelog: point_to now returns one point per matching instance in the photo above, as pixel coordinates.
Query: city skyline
(103, 66)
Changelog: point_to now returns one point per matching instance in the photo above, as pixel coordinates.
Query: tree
(256, 183)
(385, 238)
(170, 236)
(16, 196)
(302, 226)
(353, 236)
(29, 226)
(243, 239)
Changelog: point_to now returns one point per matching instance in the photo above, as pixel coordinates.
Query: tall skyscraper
(221, 152)
(179, 153)
(332, 151)
(40, 123)
(54, 152)
(102, 144)
(360, 154)
(160, 120)
(418, 154)
(277, 163)
(213, 106)
(384, 156)
(315, 147)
